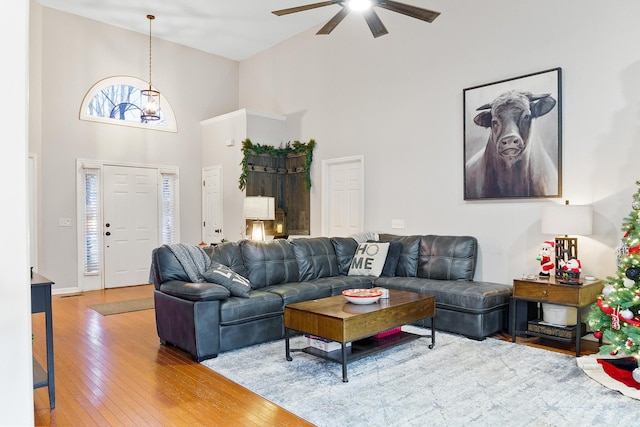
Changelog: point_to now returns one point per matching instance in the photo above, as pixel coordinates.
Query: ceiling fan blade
(305, 7)
(333, 22)
(375, 24)
(406, 9)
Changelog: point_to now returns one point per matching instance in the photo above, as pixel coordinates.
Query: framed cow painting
(513, 138)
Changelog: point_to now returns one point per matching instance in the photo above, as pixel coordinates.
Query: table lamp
(567, 220)
(258, 208)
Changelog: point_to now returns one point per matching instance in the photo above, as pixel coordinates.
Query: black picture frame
(513, 137)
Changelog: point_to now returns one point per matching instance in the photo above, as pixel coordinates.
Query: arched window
(117, 100)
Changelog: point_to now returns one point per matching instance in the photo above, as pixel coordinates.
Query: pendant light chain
(151, 18)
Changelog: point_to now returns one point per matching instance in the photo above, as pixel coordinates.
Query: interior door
(343, 196)
(130, 224)
(212, 204)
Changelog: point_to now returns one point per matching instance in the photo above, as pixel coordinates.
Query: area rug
(126, 306)
(459, 382)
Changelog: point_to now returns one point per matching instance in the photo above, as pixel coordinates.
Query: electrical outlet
(64, 222)
(397, 223)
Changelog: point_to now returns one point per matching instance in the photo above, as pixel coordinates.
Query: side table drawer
(546, 292)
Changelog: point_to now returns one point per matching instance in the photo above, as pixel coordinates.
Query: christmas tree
(616, 316)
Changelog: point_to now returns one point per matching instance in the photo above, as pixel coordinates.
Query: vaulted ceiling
(235, 29)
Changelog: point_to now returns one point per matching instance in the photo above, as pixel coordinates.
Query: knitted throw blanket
(193, 259)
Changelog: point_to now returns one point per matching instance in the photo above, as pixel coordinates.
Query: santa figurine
(545, 258)
(571, 269)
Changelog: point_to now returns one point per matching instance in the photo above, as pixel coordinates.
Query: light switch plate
(397, 223)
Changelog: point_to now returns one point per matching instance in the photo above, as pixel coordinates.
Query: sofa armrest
(204, 291)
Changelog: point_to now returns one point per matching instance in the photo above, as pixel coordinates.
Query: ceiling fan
(366, 6)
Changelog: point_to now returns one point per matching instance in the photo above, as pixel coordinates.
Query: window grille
(92, 251)
(169, 201)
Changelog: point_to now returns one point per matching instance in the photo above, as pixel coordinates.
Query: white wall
(16, 384)
(76, 53)
(398, 100)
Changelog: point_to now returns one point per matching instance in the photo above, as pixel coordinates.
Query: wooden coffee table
(336, 319)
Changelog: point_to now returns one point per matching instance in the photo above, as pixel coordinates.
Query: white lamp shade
(258, 207)
(567, 220)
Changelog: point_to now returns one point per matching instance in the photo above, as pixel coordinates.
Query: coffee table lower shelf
(364, 347)
(358, 349)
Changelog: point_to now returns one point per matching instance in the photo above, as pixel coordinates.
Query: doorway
(212, 217)
(343, 196)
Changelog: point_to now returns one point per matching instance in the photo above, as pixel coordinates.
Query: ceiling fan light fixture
(360, 5)
(366, 7)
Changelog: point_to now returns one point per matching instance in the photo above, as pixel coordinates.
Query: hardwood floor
(112, 371)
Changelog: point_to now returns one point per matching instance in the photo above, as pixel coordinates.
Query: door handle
(218, 230)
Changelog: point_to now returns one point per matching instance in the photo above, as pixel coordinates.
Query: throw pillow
(369, 259)
(238, 285)
(393, 256)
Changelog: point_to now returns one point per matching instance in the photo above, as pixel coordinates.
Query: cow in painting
(512, 163)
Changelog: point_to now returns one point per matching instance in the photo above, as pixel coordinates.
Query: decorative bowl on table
(362, 296)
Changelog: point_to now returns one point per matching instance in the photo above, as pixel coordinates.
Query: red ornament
(629, 342)
(597, 334)
(634, 250)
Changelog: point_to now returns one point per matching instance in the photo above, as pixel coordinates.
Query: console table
(41, 303)
(549, 290)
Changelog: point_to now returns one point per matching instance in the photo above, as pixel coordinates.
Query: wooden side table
(41, 303)
(548, 290)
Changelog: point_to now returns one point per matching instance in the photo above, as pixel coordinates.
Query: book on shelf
(323, 344)
(388, 332)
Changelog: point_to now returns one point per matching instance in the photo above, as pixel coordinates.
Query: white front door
(343, 196)
(212, 204)
(130, 224)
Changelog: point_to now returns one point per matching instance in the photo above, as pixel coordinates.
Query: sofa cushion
(202, 291)
(269, 263)
(393, 256)
(408, 261)
(167, 267)
(316, 258)
(340, 283)
(344, 247)
(259, 305)
(465, 296)
(369, 259)
(238, 285)
(447, 257)
(300, 291)
(229, 254)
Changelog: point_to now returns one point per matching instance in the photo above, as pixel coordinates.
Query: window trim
(167, 110)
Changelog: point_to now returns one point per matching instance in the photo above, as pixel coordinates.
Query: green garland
(297, 147)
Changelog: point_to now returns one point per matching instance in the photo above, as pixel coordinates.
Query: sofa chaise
(205, 318)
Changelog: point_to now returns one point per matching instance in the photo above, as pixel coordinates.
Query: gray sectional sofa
(204, 319)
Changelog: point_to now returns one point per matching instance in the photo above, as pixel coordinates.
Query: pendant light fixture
(150, 97)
